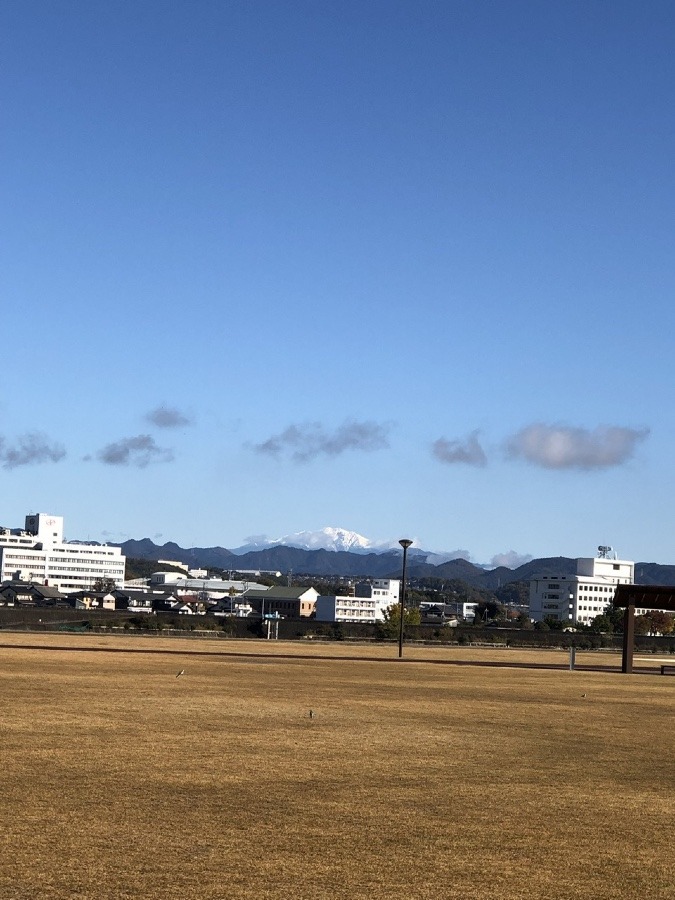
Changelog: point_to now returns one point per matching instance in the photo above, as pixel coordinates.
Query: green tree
(414, 598)
(601, 625)
(554, 624)
(392, 617)
(488, 611)
(524, 621)
(659, 622)
(642, 625)
(105, 585)
(516, 592)
(615, 616)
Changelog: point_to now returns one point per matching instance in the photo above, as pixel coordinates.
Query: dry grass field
(412, 780)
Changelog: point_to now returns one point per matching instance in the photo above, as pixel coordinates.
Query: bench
(668, 669)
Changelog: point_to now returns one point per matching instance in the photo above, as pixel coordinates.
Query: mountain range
(277, 556)
(328, 538)
(338, 539)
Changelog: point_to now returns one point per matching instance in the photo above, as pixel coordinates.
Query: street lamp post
(405, 543)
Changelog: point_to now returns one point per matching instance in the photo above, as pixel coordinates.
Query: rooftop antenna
(605, 552)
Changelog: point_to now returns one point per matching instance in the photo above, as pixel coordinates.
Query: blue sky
(401, 267)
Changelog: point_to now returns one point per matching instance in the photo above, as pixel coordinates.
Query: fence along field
(122, 780)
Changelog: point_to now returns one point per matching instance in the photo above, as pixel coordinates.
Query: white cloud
(511, 559)
(564, 447)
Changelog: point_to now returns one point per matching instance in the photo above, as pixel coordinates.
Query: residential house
(21, 593)
(288, 602)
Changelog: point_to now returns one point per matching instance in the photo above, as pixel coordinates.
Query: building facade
(287, 602)
(582, 596)
(367, 605)
(38, 553)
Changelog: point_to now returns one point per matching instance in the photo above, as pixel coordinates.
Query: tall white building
(368, 605)
(39, 553)
(583, 596)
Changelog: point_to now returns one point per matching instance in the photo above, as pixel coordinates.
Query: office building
(38, 553)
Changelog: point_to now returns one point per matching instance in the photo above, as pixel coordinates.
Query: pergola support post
(628, 639)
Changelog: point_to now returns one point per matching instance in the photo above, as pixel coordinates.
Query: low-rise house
(136, 599)
(230, 606)
(172, 605)
(288, 602)
(140, 600)
(23, 593)
(93, 600)
(461, 609)
(199, 605)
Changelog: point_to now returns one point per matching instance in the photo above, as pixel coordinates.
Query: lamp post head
(405, 543)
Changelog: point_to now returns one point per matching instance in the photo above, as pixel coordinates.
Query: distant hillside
(196, 557)
(376, 565)
(144, 568)
(654, 573)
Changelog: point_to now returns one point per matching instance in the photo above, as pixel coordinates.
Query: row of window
(79, 552)
(109, 570)
(32, 557)
(355, 603)
(42, 559)
(554, 586)
(353, 615)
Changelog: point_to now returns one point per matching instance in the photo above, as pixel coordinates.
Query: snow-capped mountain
(325, 539)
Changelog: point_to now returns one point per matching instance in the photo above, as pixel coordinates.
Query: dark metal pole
(405, 543)
(628, 639)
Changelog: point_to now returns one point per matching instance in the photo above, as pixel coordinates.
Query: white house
(368, 604)
(583, 596)
(38, 553)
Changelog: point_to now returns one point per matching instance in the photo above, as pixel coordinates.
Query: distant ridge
(328, 538)
(335, 563)
(196, 557)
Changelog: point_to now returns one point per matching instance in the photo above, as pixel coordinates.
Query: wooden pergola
(639, 596)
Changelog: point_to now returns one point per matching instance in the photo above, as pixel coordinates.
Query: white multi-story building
(39, 553)
(583, 596)
(368, 605)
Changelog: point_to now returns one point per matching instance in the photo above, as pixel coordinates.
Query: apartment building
(39, 553)
(367, 605)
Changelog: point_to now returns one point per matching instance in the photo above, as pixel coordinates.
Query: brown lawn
(413, 780)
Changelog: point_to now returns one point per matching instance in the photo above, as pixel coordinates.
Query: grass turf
(412, 780)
